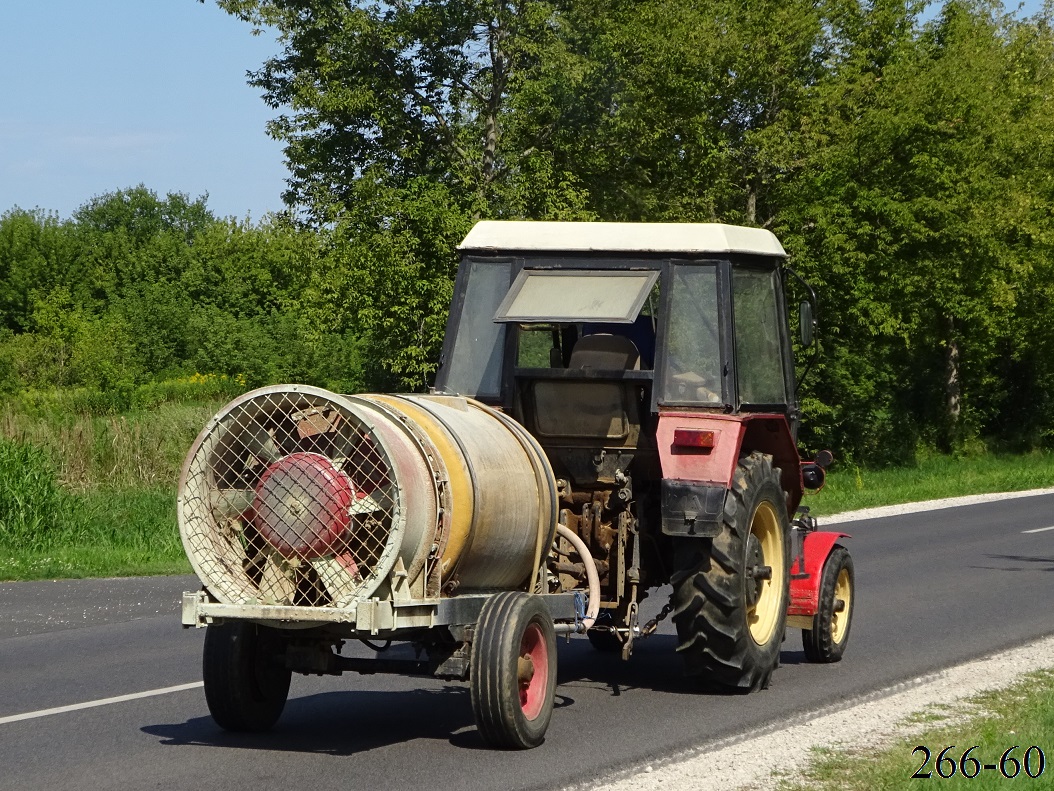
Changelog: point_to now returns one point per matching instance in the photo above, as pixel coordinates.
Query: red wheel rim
(533, 671)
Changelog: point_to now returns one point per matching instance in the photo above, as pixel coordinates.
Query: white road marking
(1038, 530)
(29, 715)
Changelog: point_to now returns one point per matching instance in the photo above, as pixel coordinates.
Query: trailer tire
(730, 619)
(245, 687)
(513, 671)
(827, 639)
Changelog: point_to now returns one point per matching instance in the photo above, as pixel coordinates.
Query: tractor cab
(586, 332)
(694, 311)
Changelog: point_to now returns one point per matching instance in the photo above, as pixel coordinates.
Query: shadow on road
(340, 723)
(1022, 563)
(343, 723)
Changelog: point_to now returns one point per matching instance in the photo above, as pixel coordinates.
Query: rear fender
(713, 459)
(805, 591)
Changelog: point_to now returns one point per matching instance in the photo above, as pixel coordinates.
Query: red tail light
(694, 438)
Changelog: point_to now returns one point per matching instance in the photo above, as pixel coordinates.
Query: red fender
(713, 459)
(805, 591)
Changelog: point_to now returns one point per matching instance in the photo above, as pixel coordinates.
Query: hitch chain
(650, 627)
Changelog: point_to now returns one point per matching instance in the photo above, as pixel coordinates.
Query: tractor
(614, 411)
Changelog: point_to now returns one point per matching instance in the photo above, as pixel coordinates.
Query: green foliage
(916, 208)
(32, 506)
(905, 164)
(137, 290)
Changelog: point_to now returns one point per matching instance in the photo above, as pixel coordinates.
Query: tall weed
(144, 449)
(33, 507)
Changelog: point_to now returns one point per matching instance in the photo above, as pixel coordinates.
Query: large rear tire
(829, 636)
(730, 593)
(245, 686)
(513, 671)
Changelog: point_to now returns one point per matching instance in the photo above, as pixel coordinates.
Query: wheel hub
(756, 572)
(525, 670)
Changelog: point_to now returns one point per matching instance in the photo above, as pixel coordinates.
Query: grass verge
(102, 533)
(934, 478)
(1021, 715)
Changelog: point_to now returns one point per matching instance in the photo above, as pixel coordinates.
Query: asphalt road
(933, 589)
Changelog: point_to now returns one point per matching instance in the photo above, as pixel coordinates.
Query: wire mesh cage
(289, 497)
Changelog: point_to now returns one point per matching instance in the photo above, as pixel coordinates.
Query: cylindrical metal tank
(294, 495)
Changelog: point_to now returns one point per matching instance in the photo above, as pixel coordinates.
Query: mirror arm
(813, 299)
(815, 302)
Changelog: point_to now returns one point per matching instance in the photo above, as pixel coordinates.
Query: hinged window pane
(541, 295)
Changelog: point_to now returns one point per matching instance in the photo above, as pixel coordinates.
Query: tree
(920, 217)
(904, 164)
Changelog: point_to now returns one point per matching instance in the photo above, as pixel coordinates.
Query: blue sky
(99, 96)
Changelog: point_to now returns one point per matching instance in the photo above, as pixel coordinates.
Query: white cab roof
(619, 237)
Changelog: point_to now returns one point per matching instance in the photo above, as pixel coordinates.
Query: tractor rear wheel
(513, 671)
(245, 686)
(730, 592)
(827, 639)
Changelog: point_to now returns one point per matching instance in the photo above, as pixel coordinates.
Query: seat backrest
(596, 410)
(605, 352)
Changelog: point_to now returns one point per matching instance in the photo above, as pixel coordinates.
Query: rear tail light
(694, 438)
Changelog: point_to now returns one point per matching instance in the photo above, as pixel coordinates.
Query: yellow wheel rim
(843, 592)
(765, 613)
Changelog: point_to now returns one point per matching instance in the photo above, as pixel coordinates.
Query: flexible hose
(593, 610)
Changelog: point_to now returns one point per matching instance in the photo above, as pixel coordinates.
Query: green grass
(89, 496)
(1020, 715)
(138, 449)
(101, 533)
(850, 488)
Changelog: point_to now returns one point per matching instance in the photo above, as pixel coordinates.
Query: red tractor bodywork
(705, 447)
(684, 455)
(807, 571)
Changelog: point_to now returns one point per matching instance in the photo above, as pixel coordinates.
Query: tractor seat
(600, 411)
(605, 352)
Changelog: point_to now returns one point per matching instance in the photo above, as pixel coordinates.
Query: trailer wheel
(245, 687)
(513, 671)
(827, 639)
(730, 593)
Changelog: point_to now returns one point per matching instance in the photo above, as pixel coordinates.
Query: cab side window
(759, 358)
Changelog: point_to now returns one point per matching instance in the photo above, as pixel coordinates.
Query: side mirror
(807, 322)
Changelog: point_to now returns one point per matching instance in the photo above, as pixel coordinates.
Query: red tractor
(615, 410)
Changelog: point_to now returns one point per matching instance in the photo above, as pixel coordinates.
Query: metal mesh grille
(289, 498)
